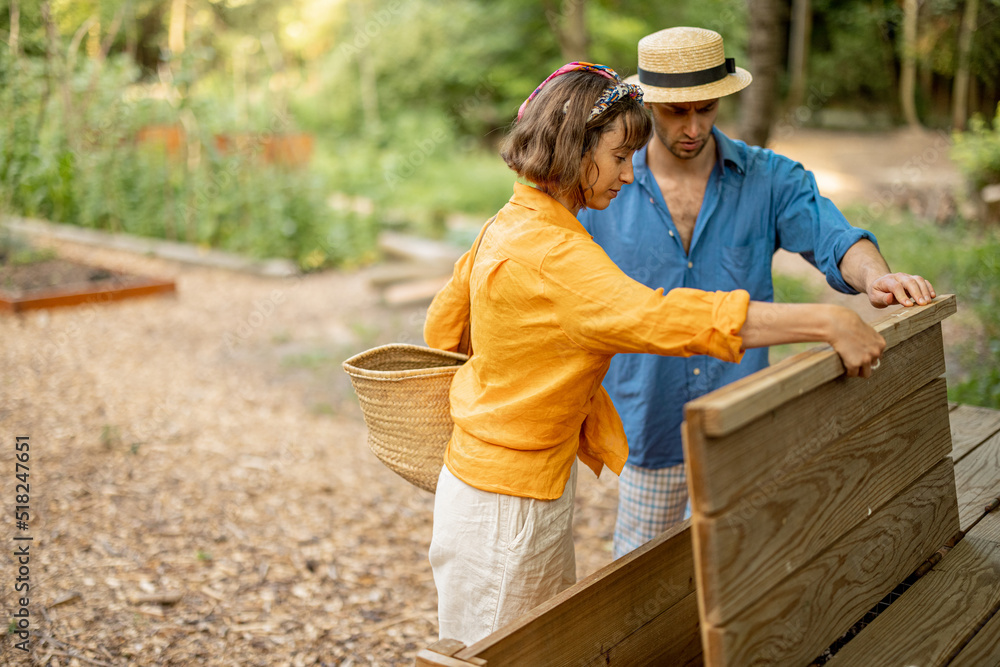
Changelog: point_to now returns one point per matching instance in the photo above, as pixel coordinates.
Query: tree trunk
(15, 27)
(570, 27)
(765, 47)
(960, 95)
(178, 19)
(908, 76)
(798, 51)
(367, 76)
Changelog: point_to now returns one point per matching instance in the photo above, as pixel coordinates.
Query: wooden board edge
(805, 371)
(645, 559)
(983, 646)
(726, 467)
(63, 298)
(428, 658)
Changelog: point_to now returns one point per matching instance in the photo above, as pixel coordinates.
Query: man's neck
(664, 164)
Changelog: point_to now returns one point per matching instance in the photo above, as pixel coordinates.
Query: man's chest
(683, 199)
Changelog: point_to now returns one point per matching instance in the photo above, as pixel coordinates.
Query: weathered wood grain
(984, 649)
(429, 658)
(737, 404)
(977, 477)
(939, 614)
(615, 611)
(773, 532)
(721, 470)
(970, 427)
(672, 638)
(800, 617)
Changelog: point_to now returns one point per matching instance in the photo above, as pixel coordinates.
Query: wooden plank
(446, 646)
(672, 638)
(984, 647)
(799, 618)
(58, 298)
(384, 275)
(940, 613)
(419, 249)
(721, 470)
(977, 477)
(614, 609)
(766, 536)
(970, 426)
(739, 403)
(414, 291)
(441, 654)
(428, 658)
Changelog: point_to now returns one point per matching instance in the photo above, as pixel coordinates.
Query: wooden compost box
(827, 528)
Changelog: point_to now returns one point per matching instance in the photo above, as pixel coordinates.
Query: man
(709, 212)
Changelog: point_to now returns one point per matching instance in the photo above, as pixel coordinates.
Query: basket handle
(465, 343)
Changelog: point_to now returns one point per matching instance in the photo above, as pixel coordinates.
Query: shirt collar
(728, 153)
(547, 207)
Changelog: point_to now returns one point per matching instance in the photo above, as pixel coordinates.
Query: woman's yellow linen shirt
(549, 310)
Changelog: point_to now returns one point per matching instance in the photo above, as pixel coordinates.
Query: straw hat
(686, 65)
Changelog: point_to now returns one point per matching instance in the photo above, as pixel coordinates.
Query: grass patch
(789, 289)
(961, 258)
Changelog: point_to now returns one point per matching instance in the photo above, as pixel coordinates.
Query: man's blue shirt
(756, 202)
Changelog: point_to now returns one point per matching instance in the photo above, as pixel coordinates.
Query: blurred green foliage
(406, 100)
(961, 258)
(977, 152)
(87, 168)
(789, 289)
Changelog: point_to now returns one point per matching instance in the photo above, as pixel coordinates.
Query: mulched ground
(201, 492)
(200, 487)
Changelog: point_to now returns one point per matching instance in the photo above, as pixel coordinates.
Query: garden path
(201, 491)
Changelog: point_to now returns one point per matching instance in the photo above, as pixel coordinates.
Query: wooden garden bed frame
(818, 501)
(74, 296)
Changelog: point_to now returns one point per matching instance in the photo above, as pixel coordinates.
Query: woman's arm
(858, 345)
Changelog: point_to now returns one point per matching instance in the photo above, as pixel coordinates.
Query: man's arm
(864, 269)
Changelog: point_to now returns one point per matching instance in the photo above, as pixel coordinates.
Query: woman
(548, 311)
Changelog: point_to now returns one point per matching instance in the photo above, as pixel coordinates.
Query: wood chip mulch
(200, 488)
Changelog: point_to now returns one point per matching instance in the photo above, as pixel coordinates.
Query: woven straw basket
(403, 390)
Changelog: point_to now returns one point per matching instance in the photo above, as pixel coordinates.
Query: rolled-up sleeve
(604, 311)
(810, 224)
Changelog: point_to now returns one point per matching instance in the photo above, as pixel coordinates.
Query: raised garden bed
(53, 282)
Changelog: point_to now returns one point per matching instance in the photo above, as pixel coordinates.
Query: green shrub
(86, 168)
(977, 152)
(963, 259)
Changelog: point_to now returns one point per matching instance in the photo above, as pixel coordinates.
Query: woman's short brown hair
(547, 145)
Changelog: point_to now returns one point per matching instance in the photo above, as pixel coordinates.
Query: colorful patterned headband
(612, 95)
(607, 98)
